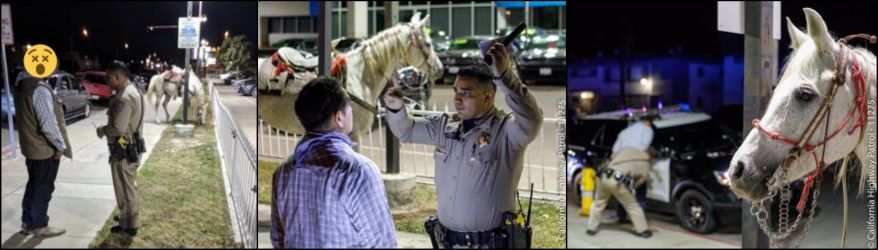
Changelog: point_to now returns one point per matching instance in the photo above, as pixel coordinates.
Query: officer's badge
(483, 139)
(481, 142)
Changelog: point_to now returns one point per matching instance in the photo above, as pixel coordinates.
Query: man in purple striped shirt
(325, 195)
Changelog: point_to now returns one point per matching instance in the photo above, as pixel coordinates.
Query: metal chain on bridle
(776, 181)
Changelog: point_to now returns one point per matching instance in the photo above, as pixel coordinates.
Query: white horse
(804, 84)
(168, 85)
(364, 71)
(165, 85)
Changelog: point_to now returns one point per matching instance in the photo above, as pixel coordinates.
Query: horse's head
(420, 53)
(800, 92)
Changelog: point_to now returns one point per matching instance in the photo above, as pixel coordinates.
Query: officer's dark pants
(38, 191)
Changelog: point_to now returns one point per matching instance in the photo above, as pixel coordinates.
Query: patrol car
(687, 176)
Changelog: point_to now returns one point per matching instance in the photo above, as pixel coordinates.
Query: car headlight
(721, 177)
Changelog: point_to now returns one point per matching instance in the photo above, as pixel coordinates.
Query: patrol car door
(659, 183)
(660, 180)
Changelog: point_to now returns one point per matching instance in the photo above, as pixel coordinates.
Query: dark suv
(687, 176)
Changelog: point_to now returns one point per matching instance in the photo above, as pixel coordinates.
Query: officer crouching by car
(628, 168)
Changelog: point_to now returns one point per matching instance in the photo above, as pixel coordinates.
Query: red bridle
(859, 108)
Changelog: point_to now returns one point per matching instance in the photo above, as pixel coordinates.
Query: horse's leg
(156, 104)
(165, 106)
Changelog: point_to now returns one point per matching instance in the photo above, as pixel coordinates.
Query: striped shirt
(326, 195)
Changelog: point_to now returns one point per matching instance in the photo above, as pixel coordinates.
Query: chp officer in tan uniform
(628, 169)
(124, 125)
(479, 151)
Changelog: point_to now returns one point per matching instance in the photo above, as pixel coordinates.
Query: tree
(235, 53)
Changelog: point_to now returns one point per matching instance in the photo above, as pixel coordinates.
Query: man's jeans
(40, 185)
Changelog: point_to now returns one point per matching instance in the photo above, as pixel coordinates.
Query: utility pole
(188, 71)
(391, 17)
(760, 70)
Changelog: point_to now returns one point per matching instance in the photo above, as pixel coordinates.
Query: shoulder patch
(118, 106)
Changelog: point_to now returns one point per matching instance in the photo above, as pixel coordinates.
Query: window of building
(275, 25)
(461, 21)
(482, 19)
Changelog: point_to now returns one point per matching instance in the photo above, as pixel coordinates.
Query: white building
(285, 20)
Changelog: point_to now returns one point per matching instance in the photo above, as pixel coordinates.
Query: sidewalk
(666, 234)
(83, 199)
(403, 239)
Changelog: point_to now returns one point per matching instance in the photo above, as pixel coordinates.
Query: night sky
(656, 27)
(111, 24)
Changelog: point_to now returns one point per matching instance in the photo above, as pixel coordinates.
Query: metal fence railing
(239, 164)
(540, 165)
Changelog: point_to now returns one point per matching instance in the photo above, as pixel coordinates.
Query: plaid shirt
(326, 195)
(44, 109)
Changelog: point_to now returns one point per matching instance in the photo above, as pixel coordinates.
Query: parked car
(302, 44)
(74, 100)
(462, 52)
(344, 44)
(6, 108)
(440, 40)
(687, 177)
(246, 86)
(235, 75)
(95, 83)
(544, 59)
(141, 82)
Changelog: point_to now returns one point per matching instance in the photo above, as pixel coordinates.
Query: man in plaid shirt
(325, 195)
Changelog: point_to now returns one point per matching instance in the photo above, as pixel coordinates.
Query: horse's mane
(867, 67)
(381, 50)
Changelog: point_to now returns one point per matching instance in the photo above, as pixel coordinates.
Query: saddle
(286, 72)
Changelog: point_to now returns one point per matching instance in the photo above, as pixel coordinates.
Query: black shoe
(591, 232)
(116, 218)
(646, 234)
(119, 229)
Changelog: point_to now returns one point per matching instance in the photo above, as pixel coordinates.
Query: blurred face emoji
(40, 61)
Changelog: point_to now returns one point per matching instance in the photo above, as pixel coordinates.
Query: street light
(586, 95)
(647, 84)
(84, 32)
(126, 45)
(227, 34)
